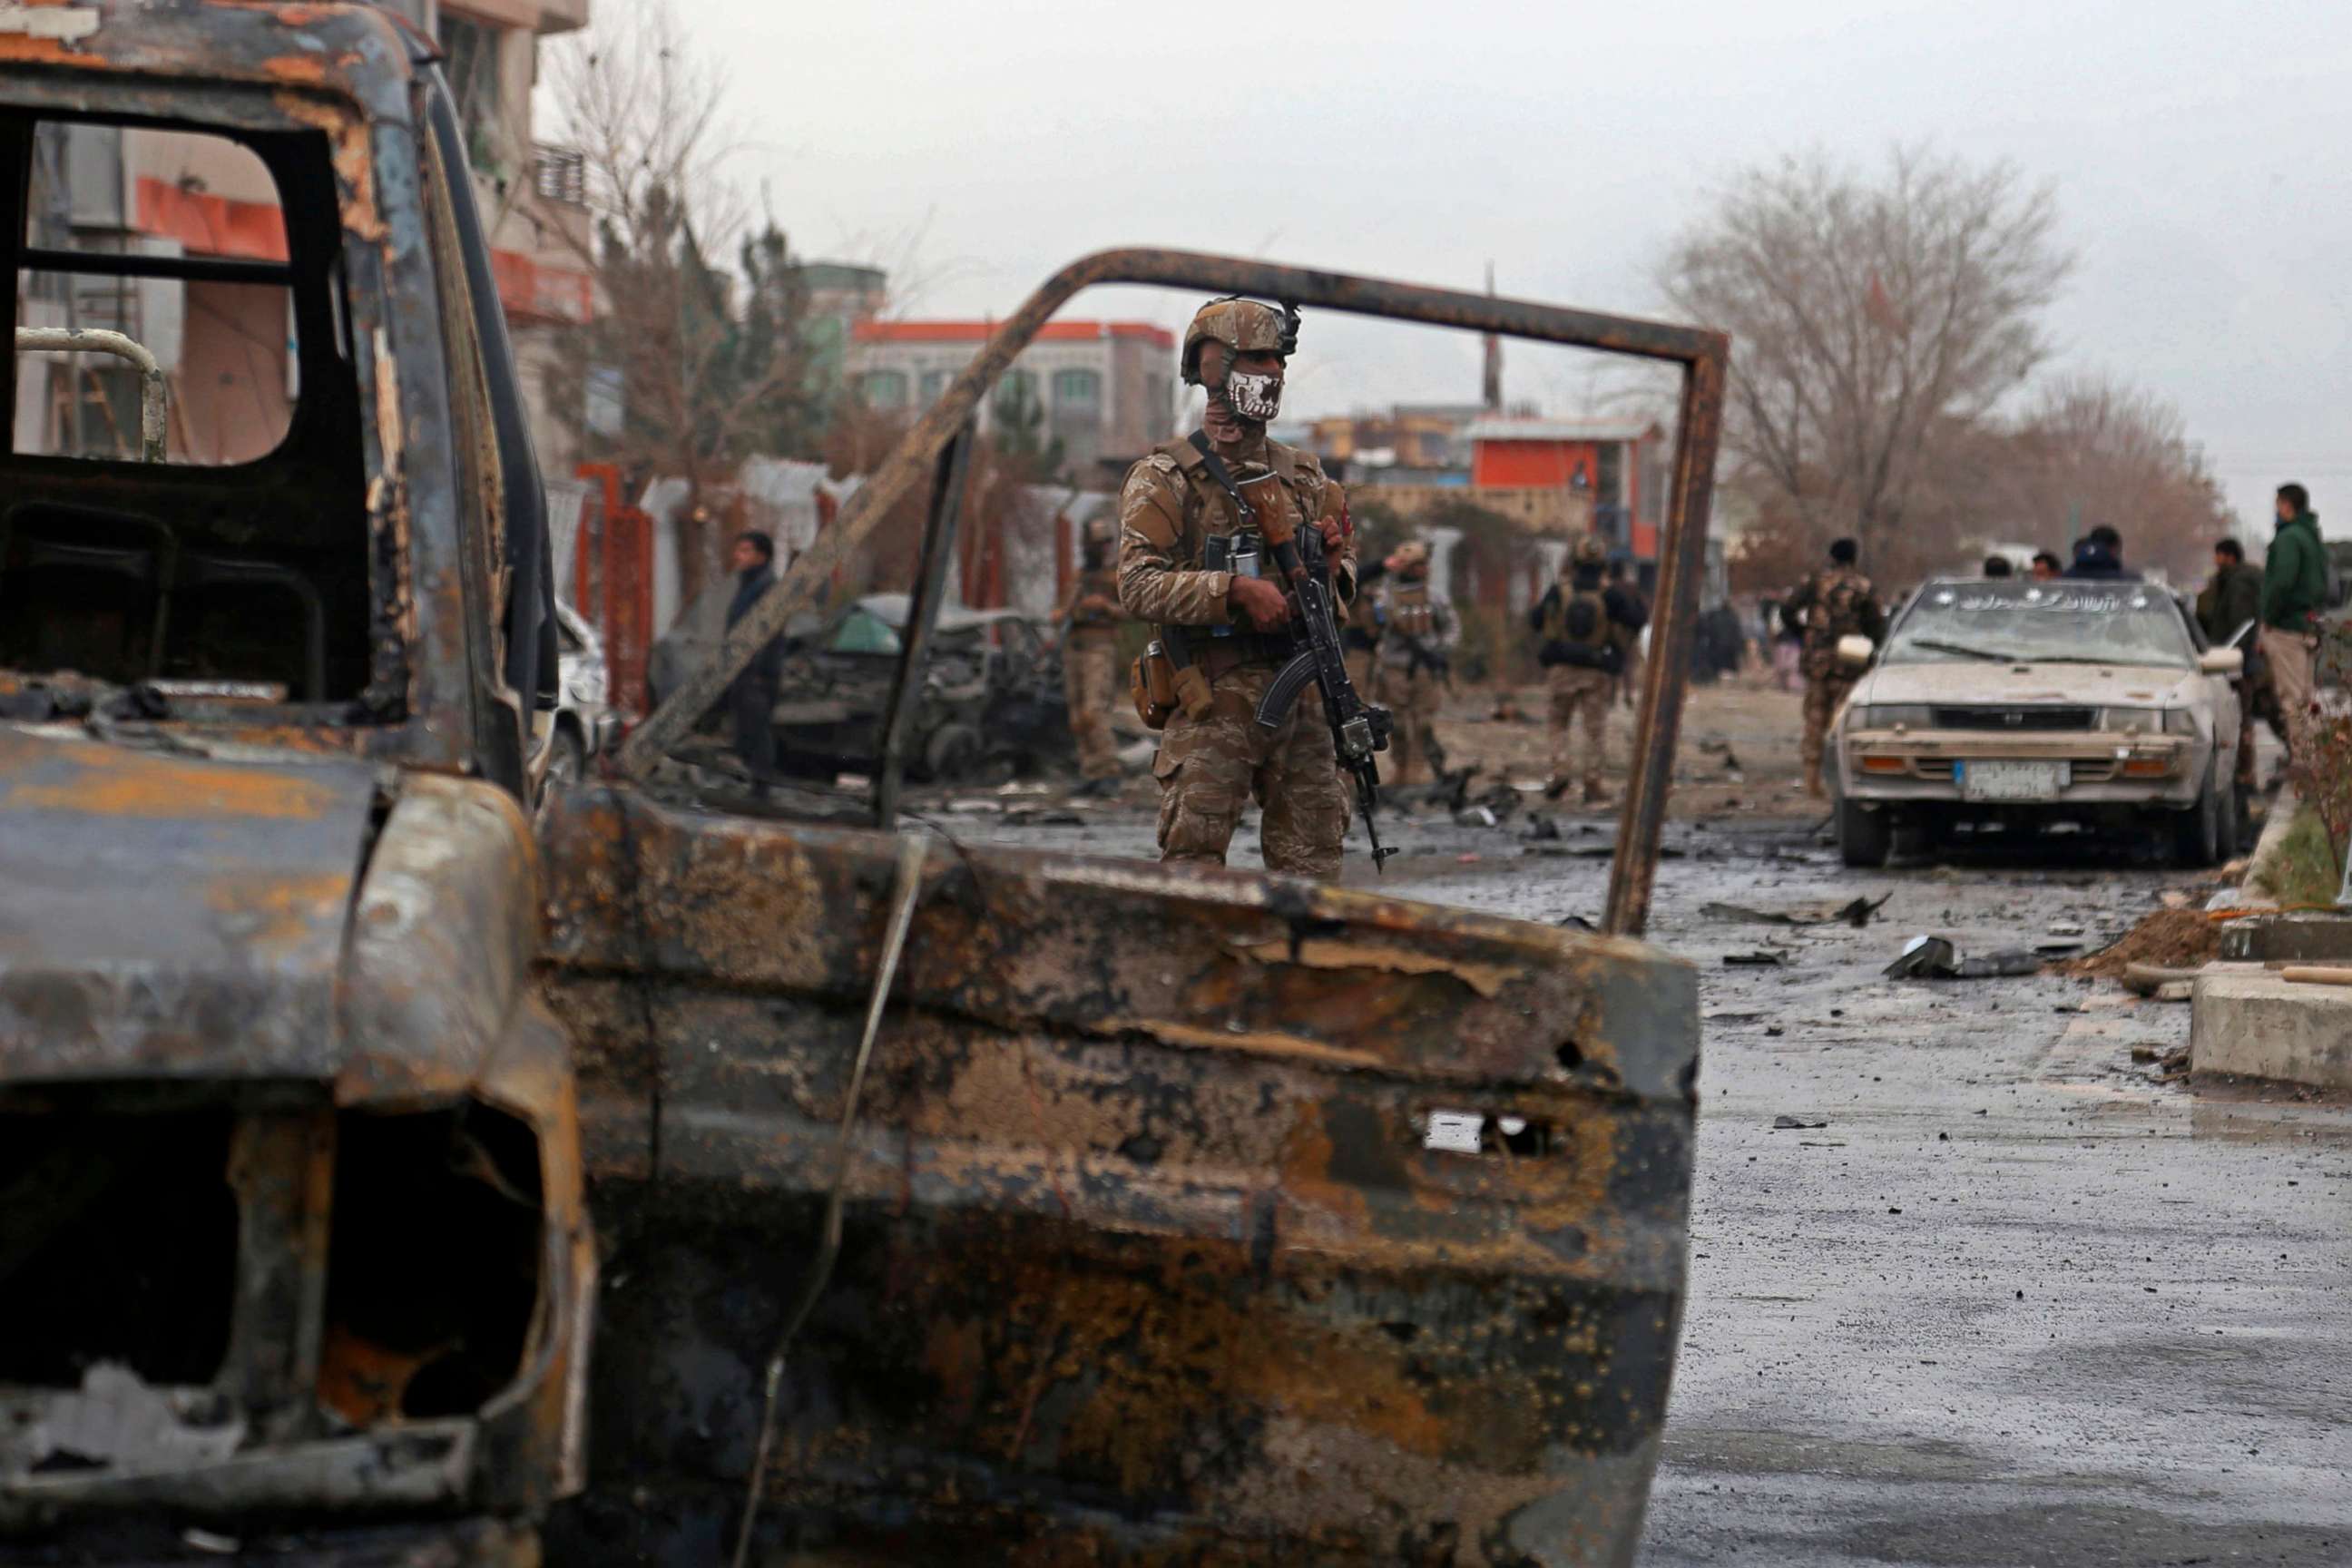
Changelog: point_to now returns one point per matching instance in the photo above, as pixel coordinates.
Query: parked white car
(2007, 703)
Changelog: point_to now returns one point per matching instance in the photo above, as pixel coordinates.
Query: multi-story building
(1425, 437)
(225, 348)
(1619, 464)
(1106, 390)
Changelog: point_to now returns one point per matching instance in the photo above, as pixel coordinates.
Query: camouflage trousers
(1090, 683)
(1412, 696)
(1822, 695)
(1210, 769)
(1578, 692)
(1364, 672)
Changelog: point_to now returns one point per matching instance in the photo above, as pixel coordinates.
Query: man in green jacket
(2231, 597)
(2294, 589)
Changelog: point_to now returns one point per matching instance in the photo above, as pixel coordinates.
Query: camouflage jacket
(1168, 508)
(1835, 602)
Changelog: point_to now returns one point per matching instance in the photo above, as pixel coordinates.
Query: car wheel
(2196, 835)
(1865, 837)
(950, 753)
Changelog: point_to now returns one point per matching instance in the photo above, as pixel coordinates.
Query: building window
(1077, 389)
(1016, 394)
(935, 385)
(884, 388)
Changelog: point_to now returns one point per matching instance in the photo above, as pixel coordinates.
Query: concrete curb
(2260, 1026)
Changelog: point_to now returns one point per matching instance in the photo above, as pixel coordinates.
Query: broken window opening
(240, 558)
(434, 1270)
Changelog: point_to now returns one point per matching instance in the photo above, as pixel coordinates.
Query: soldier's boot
(1556, 787)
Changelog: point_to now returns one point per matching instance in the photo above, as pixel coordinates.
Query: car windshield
(2055, 623)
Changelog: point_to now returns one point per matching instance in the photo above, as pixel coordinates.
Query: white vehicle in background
(2004, 703)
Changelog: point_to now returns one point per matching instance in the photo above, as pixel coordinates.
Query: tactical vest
(1209, 511)
(1579, 616)
(1410, 611)
(1208, 514)
(1841, 596)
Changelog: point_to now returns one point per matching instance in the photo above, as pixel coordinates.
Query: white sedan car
(2007, 703)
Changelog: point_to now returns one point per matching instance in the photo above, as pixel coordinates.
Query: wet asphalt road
(2016, 1303)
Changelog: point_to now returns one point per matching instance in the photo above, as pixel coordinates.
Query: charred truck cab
(292, 1237)
(953, 1203)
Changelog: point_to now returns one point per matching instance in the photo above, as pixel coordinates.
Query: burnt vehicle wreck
(947, 1202)
(989, 703)
(292, 1232)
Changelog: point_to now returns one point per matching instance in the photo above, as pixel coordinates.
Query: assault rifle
(1359, 729)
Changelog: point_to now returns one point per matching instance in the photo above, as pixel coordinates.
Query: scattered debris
(2169, 938)
(1856, 914)
(1576, 922)
(1782, 1123)
(2065, 928)
(1933, 958)
(1474, 817)
(1541, 827)
(2149, 979)
(1762, 958)
(1042, 816)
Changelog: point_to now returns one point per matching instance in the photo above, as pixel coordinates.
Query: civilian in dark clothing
(2231, 601)
(1998, 566)
(2046, 566)
(2099, 557)
(751, 696)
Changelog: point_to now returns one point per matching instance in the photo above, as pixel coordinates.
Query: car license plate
(2012, 780)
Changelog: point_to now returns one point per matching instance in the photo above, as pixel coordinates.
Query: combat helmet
(1244, 326)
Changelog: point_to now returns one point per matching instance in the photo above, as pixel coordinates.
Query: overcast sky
(2201, 155)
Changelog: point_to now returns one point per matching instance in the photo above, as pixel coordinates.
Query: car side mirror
(2228, 661)
(1854, 654)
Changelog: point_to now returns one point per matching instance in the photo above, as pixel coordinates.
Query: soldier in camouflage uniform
(1837, 602)
(1415, 632)
(1583, 630)
(1233, 625)
(1089, 620)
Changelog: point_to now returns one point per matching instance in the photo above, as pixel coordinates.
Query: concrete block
(2259, 1026)
(2298, 938)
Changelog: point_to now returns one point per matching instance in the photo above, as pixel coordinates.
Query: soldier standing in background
(1186, 564)
(1415, 632)
(1629, 681)
(1834, 602)
(1089, 621)
(1584, 629)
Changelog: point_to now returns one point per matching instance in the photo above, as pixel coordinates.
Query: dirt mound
(2169, 938)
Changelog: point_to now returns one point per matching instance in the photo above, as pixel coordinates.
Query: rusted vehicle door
(966, 1205)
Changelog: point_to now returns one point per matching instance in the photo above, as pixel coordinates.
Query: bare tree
(708, 359)
(2091, 450)
(1869, 318)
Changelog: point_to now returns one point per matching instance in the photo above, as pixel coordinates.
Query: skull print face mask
(1254, 396)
